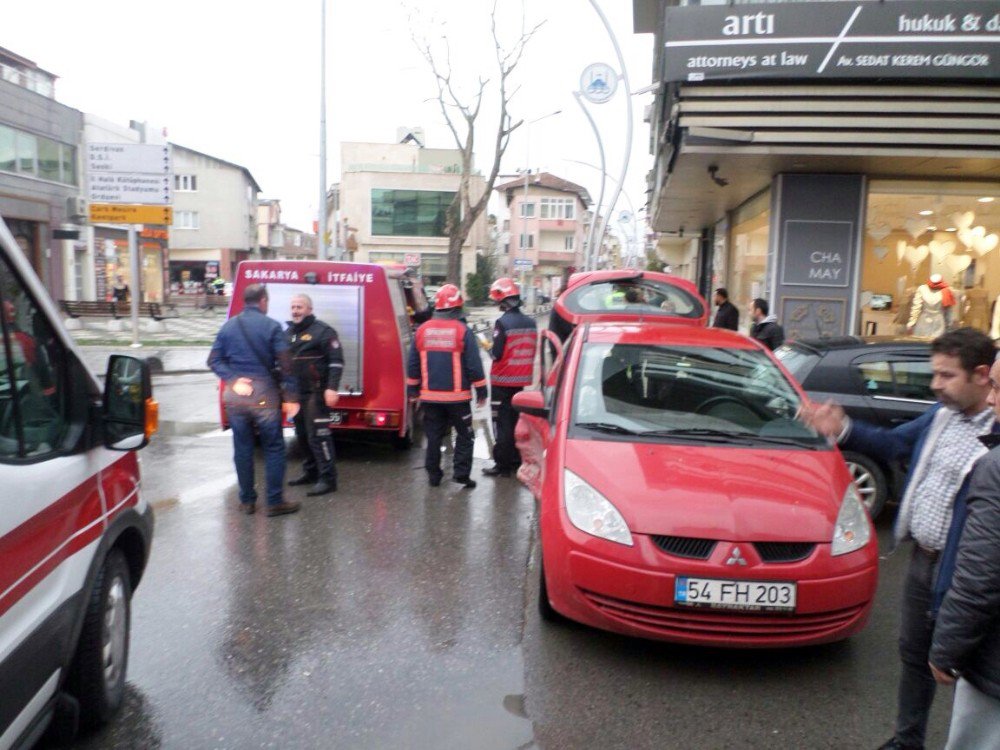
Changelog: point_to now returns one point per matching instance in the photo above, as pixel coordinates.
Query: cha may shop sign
(900, 39)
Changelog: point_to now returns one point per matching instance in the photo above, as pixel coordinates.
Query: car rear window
(798, 360)
(645, 296)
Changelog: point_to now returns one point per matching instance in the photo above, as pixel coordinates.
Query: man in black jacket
(727, 316)
(966, 643)
(765, 327)
(318, 363)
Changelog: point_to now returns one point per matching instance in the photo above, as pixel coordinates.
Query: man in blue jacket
(966, 643)
(247, 351)
(942, 445)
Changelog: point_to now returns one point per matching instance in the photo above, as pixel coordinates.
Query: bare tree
(461, 117)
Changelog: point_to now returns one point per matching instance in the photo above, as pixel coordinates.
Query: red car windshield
(706, 394)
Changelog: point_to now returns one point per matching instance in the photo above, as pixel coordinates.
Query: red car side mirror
(531, 403)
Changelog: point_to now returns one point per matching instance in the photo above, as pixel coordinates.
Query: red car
(624, 295)
(681, 500)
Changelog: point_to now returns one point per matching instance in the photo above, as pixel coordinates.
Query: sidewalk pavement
(175, 345)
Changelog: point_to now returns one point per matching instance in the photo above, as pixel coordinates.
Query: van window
(32, 395)
(340, 306)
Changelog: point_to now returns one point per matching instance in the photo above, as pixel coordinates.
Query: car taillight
(381, 418)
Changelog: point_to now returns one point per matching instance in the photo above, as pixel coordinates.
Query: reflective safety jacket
(515, 340)
(444, 362)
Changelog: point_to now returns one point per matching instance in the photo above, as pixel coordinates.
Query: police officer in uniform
(515, 341)
(443, 368)
(318, 363)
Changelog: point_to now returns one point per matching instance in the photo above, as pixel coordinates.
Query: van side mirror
(129, 414)
(531, 403)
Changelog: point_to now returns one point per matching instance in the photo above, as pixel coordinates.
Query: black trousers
(315, 438)
(505, 454)
(916, 631)
(437, 418)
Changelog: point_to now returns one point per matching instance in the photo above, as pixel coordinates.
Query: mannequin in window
(933, 308)
(976, 309)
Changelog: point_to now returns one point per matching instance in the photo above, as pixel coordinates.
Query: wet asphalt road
(392, 614)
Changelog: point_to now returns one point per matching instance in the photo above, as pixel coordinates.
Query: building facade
(841, 159)
(278, 240)
(391, 207)
(215, 219)
(40, 171)
(547, 230)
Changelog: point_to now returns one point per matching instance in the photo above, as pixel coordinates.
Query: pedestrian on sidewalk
(726, 314)
(250, 355)
(443, 368)
(966, 646)
(119, 290)
(765, 327)
(515, 342)
(318, 363)
(941, 445)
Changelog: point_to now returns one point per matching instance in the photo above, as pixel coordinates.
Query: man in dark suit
(727, 316)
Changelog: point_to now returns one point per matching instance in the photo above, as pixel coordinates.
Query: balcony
(557, 225)
(549, 256)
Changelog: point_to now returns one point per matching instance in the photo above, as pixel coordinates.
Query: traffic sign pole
(136, 287)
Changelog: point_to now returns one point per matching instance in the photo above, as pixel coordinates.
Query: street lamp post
(321, 248)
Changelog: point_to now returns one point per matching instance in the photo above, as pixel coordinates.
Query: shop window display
(930, 260)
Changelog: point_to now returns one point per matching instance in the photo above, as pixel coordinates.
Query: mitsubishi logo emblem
(736, 557)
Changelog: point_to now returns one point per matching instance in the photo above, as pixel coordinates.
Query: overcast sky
(240, 80)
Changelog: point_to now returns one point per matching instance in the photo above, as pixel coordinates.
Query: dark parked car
(883, 380)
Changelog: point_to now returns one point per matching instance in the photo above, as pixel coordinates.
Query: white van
(75, 532)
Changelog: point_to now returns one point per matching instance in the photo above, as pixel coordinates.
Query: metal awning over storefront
(722, 143)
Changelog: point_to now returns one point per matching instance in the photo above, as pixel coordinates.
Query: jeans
(505, 454)
(916, 630)
(437, 417)
(315, 440)
(267, 419)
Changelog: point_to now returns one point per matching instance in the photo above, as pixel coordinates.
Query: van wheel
(97, 675)
(870, 480)
(402, 442)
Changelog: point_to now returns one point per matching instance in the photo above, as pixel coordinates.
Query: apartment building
(40, 170)
(547, 228)
(215, 218)
(392, 199)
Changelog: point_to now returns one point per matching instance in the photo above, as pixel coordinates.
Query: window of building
(410, 213)
(527, 210)
(185, 219)
(32, 155)
(748, 246)
(558, 208)
(568, 242)
(68, 174)
(48, 159)
(27, 153)
(8, 151)
(186, 183)
(527, 241)
(916, 230)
